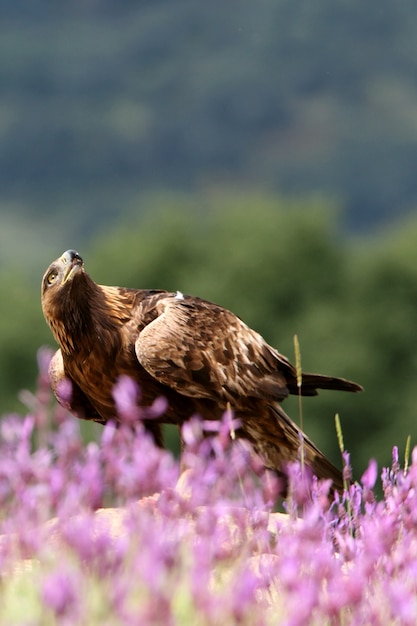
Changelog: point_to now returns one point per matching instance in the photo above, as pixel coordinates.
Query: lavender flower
(113, 533)
(62, 593)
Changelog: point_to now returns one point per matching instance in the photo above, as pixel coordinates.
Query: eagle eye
(51, 277)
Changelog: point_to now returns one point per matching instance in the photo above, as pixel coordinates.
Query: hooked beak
(72, 262)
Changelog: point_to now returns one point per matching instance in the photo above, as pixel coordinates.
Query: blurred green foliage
(104, 101)
(284, 267)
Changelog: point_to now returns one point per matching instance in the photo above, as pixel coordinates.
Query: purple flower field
(113, 533)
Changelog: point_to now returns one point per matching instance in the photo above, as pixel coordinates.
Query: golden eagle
(201, 357)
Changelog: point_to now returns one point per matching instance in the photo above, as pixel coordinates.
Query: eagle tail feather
(310, 383)
(279, 441)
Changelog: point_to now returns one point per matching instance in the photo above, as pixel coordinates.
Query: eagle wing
(202, 350)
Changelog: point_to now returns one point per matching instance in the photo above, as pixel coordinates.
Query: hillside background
(258, 153)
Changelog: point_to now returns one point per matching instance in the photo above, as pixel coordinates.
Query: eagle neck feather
(91, 321)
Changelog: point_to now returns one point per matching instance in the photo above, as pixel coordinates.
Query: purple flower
(395, 461)
(192, 432)
(43, 357)
(347, 468)
(244, 598)
(62, 593)
(369, 477)
(64, 392)
(203, 547)
(403, 602)
(126, 395)
(225, 428)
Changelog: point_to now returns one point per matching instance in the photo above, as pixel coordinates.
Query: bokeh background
(259, 153)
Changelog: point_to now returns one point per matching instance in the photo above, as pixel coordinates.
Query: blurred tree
(385, 290)
(21, 334)
(102, 101)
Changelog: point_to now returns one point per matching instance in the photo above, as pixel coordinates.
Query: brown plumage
(198, 355)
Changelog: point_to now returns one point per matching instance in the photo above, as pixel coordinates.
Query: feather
(200, 356)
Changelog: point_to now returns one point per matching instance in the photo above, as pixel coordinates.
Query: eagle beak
(72, 262)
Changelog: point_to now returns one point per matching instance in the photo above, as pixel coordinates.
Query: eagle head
(60, 273)
(63, 285)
